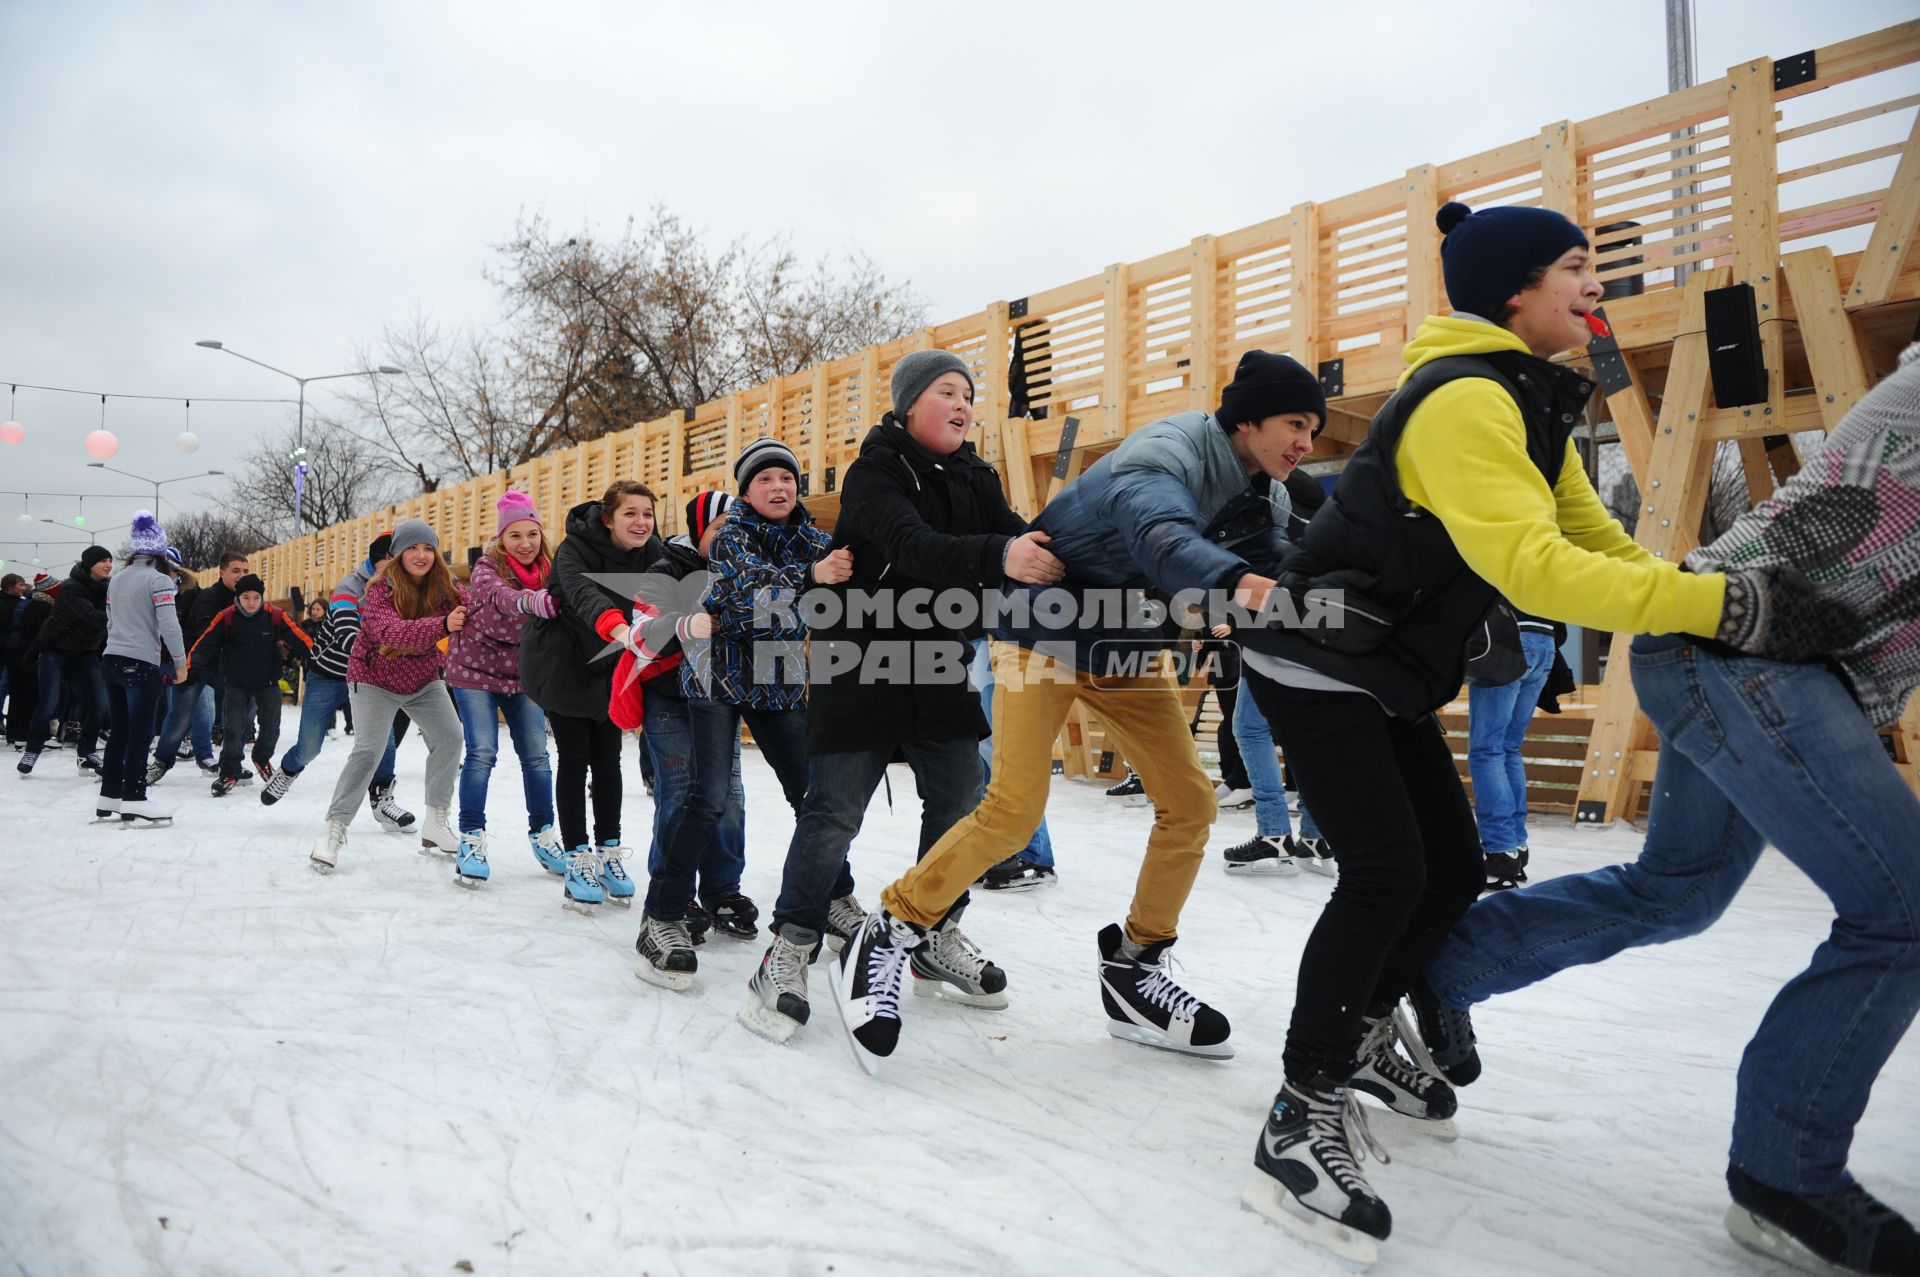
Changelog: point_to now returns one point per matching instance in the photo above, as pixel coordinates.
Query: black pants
(1223, 659)
(237, 714)
(1388, 797)
(586, 744)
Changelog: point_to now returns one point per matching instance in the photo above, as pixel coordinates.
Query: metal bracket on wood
(1591, 812)
(1017, 309)
(804, 477)
(1333, 377)
(686, 414)
(1106, 761)
(1797, 69)
(832, 475)
(1063, 458)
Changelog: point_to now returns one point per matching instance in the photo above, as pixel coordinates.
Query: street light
(299, 457)
(204, 474)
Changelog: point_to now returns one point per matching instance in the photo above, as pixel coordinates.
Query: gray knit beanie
(411, 533)
(915, 372)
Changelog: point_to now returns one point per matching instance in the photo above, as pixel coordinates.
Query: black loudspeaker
(1733, 347)
(299, 602)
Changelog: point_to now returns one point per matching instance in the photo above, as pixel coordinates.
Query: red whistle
(1598, 326)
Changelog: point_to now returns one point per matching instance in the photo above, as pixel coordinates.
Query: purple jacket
(485, 656)
(417, 658)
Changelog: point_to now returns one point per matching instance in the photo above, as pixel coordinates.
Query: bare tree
(203, 536)
(345, 478)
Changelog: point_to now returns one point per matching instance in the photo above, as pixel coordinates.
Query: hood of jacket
(890, 439)
(1442, 335)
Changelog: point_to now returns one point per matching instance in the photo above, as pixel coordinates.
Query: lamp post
(204, 474)
(299, 457)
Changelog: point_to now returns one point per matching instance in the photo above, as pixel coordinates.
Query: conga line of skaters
(1768, 660)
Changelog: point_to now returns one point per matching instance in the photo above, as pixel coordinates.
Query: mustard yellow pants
(1144, 719)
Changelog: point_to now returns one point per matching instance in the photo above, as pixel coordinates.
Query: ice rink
(215, 1061)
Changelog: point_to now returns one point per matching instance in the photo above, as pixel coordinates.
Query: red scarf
(533, 578)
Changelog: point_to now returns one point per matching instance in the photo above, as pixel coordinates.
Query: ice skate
(735, 915)
(547, 850)
(1264, 856)
(437, 835)
(144, 813)
(611, 874)
(1306, 1174)
(1317, 856)
(1846, 1232)
(1444, 1044)
(776, 1004)
(845, 916)
(328, 846)
(106, 810)
(582, 891)
(276, 788)
(866, 985)
(1403, 1086)
(387, 809)
(1231, 798)
(470, 859)
(666, 953)
(1017, 873)
(1144, 1005)
(949, 967)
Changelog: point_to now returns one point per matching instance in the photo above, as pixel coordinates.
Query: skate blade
(769, 1024)
(145, 822)
(678, 981)
(620, 902)
(471, 884)
(105, 818)
(1023, 884)
(1763, 1238)
(1325, 868)
(736, 935)
(585, 908)
(1353, 1249)
(319, 868)
(1160, 1041)
(1265, 869)
(940, 991)
(433, 849)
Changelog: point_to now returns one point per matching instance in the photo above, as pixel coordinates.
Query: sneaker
(582, 885)
(1445, 1044)
(1017, 873)
(735, 915)
(27, 760)
(470, 859)
(1503, 871)
(1306, 1171)
(951, 967)
(866, 985)
(437, 834)
(548, 851)
(92, 763)
(1231, 798)
(611, 874)
(1399, 1083)
(277, 786)
(1264, 855)
(845, 916)
(1846, 1231)
(1316, 855)
(1129, 788)
(328, 846)
(666, 953)
(387, 809)
(224, 785)
(1144, 1005)
(776, 1002)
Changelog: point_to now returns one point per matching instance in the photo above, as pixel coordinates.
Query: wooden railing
(1069, 371)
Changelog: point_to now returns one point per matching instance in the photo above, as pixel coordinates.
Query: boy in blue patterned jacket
(753, 670)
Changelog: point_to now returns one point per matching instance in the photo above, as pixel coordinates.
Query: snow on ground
(214, 1061)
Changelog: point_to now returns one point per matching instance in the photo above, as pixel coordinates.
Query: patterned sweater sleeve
(741, 573)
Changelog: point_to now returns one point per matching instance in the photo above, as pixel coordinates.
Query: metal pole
(1681, 74)
(299, 457)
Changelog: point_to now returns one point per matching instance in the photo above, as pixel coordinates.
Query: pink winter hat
(513, 507)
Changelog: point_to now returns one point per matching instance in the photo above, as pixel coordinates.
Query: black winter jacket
(207, 603)
(246, 649)
(913, 521)
(78, 622)
(566, 664)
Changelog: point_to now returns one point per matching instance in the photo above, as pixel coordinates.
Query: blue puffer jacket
(754, 562)
(1141, 517)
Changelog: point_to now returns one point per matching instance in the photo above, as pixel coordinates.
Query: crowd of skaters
(1768, 660)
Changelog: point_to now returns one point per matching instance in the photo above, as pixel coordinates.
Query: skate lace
(954, 951)
(581, 864)
(473, 849)
(610, 864)
(1159, 988)
(1342, 1138)
(787, 967)
(390, 808)
(668, 936)
(1379, 1047)
(846, 916)
(886, 965)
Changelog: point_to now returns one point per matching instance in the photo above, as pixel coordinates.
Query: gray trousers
(431, 710)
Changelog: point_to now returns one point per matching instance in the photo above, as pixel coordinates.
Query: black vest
(1406, 601)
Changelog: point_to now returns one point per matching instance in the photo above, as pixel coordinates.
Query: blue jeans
(1756, 753)
(707, 772)
(839, 787)
(134, 690)
(1254, 735)
(1497, 719)
(190, 709)
(480, 714)
(667, 744)
(1039, 848)
(55, 666)
(324, 696)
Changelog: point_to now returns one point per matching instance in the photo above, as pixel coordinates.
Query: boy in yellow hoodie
(1466, 488)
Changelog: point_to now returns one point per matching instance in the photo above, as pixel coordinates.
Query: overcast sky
(290, 178)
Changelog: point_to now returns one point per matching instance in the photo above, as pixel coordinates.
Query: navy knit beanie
(1487, 256)
(1267, 385)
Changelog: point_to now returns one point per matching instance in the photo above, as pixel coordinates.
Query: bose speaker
(1733, 347)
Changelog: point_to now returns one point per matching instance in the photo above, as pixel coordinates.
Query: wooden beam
(1114, 389)
(1753, 173)
(1559, 170)
(1018, 467)
(817, 460)
(1633, 418)
(1203, 354)
(1826, 330)
(1303, 291)
(1423, 245)
(1893, 232)
(991, 410)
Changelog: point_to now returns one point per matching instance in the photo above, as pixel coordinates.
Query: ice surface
(213, 1060)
